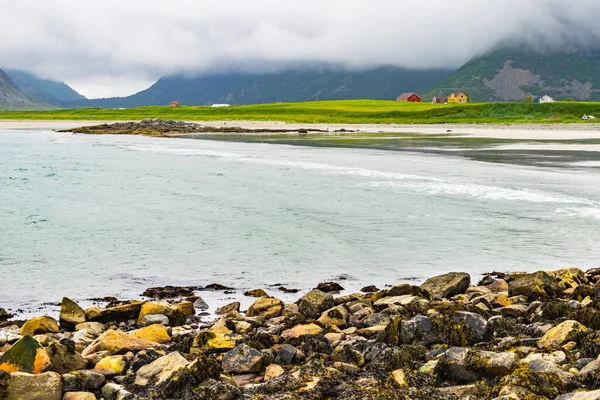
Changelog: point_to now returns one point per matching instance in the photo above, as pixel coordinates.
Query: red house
(174, 104)
(409, 97)
(440, 100)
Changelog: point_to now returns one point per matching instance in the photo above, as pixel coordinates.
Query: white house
(543, 99)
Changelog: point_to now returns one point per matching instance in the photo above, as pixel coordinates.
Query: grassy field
(346, 111)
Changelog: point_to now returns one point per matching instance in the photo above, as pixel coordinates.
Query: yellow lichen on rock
(565, 332)
(39, 325)
(154, 333)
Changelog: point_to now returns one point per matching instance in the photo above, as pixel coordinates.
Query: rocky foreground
(161, 127)
(517, 336)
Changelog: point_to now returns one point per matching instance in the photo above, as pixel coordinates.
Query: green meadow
(345, 111)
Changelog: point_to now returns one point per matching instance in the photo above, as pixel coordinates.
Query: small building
(440, 100)
(219, 105)
(409, 97)
(458, 98)
(543, 99)
(174, 104)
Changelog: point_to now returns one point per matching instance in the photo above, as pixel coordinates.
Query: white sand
(548, 132)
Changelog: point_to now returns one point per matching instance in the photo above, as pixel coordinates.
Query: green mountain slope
(511, 74)
(11, 98)
(294, 85)
(48, 91)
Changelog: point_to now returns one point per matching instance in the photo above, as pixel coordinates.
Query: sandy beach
(526, 132)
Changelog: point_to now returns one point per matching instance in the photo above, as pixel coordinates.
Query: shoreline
(497, 131)
(531, 335)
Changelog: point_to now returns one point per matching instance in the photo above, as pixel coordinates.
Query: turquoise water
(89, 216)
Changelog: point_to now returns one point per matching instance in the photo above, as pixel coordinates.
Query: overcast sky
(118, 47)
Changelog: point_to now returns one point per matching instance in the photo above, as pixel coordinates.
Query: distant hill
(48, 91)
(513, 73)
(11, 98)
(295, 85)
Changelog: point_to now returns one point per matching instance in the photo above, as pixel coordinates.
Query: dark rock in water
(82, 381)
(200, 304)
(330, 287)
(243, 359)
(447, 285)
(217, 287)
(26, 355)
(312, 304)
(64, 358)
(369, 289)
(168, 292)
(3, 314)
(256, 293)
(71, 314)
(538, 285)
(286, 290)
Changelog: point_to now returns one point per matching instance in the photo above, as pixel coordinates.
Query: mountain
(48, 91)
(291, 85)
(11, 98)
(513, 73)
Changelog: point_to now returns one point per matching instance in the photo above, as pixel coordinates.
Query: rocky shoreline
(510, 336)
(161, 127)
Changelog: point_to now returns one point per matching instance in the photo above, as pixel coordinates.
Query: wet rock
(562, 333)
(83, 381)
(79, 396)
(447, 285)
(114, 391)
(312, 304)
(243, 359)
(176, 316)
(256, 293)
(336, 316)
(64, 358)
(46, 386)
(26, 355)
(301, 331)
(155, 319)
(71, 314)
(469, 365)
(120, 313)
(369, 289)
(538, 285)
(4, 315)
(154, 333)
(112, 365)
(200, 304)
(266, 307)
(117, 342)
(168, 292)
(330, 287)
(160, 370)
(39, 325)
(229, 308)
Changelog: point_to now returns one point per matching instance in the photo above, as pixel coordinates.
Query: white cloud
(98, 45)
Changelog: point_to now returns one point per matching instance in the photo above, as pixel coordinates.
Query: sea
(88, 216)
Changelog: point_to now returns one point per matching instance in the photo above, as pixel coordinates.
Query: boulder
(160, 370)
(330, 287)
(154, 333)
(273, 371)
(186, 307)
(117, 342)
(465, 365)
(336, 316)
(569, 277)
(155, 319)
(79, 396)
(9, 335)
(313, 303)
(243, 359)
(26, 355)
(145, 357)
(266, 307)
(83, 381)
(399, 379)
(256, 293)
(65, 358)
(547, 367)
(447, 285)
(200, 304)
(286, 354)
(498, 286)
(86, 333)
(70, 314)
(120, 313)
(112, 365)
(301, 331)
(538, 285)
(46, 386)
(217, 339)
(563, 333)
(39, 325)
(114, 391)
(228, 308)
(4, 315)
(386, 302)
(176, 316)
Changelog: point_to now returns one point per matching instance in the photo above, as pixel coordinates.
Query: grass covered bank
(346, 111)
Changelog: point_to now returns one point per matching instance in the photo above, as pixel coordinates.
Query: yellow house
(458, 98)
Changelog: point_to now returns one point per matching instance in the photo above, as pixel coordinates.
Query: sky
(105, 48)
